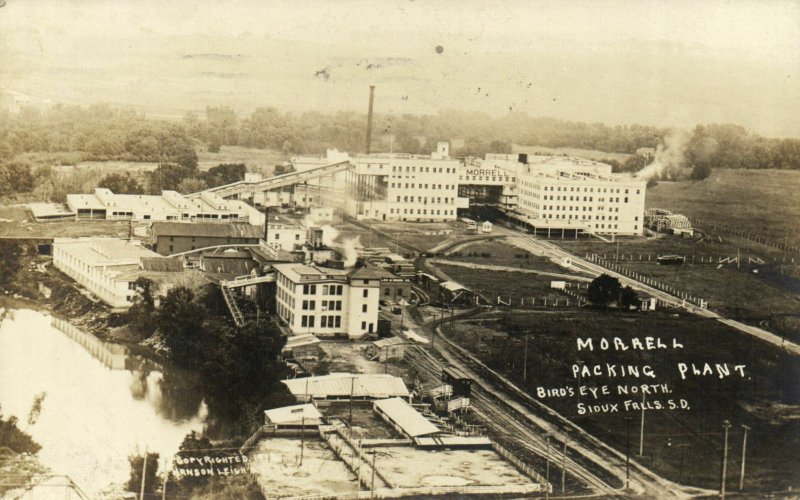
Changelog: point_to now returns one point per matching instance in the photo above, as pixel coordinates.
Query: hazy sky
(652, 62)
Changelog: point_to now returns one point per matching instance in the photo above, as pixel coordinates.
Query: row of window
(578, 189)
(400, 185)
(424, 199)
(582, 217)
(327, 305)
(307, 321)
(481, 177)
(423, 211)
(326, 289)
(435, 170)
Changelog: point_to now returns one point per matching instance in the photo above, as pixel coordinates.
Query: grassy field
(591, 154)
(762, 202)
(752, 292)
(514, 286)
(423, 236)
(767, 399)
(501, 253)
(257, 160)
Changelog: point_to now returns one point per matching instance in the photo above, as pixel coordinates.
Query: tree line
(100, 132)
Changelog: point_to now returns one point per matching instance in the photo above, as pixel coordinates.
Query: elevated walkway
(242, 281)
(275, 182)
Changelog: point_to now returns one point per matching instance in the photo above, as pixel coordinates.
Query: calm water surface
(101, 404)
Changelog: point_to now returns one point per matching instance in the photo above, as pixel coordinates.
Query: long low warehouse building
(168, 206)
(347, 386)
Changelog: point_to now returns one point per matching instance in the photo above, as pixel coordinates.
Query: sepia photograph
(406, 249)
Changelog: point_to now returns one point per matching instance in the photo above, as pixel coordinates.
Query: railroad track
(549, 250)
(508, 410)
(490, 410)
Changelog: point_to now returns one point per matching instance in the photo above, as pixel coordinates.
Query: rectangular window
(363, 325)
(311, 321)
(366, 293)
(304, 321)
(338, 321)
(364, 308)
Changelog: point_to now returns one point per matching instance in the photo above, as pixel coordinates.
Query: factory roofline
(306, 273)
(207, 229)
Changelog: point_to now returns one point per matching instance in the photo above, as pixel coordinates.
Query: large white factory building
(547, 193)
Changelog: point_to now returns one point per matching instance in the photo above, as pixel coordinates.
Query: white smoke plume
(329, 235)
(310, 221)
(669, 161)
(349, 250)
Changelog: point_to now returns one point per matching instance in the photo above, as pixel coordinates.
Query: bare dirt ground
(16, 222)
(276, 463)
(409, 467)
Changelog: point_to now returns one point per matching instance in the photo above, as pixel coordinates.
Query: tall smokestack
(369, 118)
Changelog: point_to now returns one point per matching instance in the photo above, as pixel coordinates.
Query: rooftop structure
(49, 211)
(403, 417)
(169, 238)
(107, 267)
(296, 416)
(169, 206)
(347, 385)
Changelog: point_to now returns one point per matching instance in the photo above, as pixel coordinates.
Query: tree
(13, 438)
(603, 289)
(192, 185)
(245, 360)
(628, 298)
(121, 183)
(168, 177)
(180, 320)
(141, 314)
(15, 177)
(226, 173)
(134, 483)
(10, 253)
(700, 172)
(242, 368)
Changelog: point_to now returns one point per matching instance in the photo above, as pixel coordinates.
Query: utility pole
(525, 363)
(302, 438)
(564, 466)
(744, 451)
(680, 467)
(547, 470)
(641, 429)
(352, 386)
(164, 484)
(144, 474)
(725, 425)
(372, 481)
(628, 419)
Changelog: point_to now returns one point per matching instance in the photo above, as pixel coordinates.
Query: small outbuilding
(294, 417)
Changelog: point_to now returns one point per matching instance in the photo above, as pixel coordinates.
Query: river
(101, 404)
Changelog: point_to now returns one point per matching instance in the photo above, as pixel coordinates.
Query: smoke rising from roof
(349, 250)
(670, 157)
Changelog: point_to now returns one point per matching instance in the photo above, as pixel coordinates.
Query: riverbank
(37, 285)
